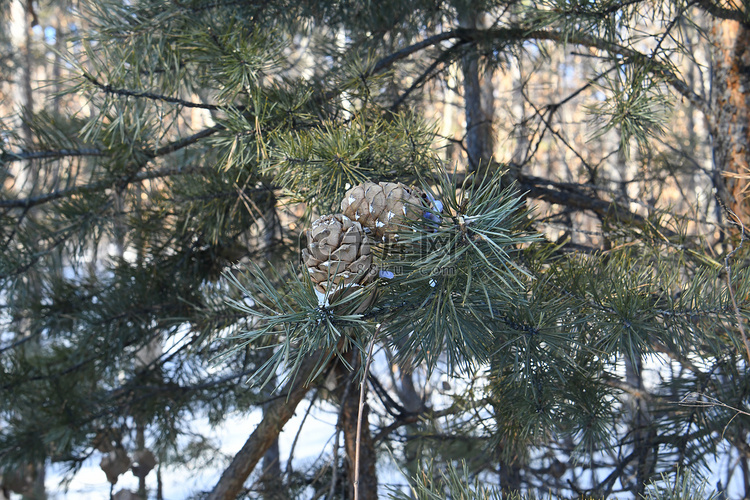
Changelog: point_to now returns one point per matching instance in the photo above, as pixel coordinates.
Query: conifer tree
(245, 205)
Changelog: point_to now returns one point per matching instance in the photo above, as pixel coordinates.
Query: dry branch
(277, 414)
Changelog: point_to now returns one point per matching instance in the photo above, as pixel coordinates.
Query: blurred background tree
(568, 320)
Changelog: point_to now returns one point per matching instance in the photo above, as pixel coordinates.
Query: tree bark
(731, 104)
(22, 20)
(21, 36)
(479, 103)
(275, 416)
(140, 438)
(640, 421)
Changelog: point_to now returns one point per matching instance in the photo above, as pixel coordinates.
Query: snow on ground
(315, 442)
(180, 483)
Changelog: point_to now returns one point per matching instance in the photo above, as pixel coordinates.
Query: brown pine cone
(382, 207)
(143, 462)
(114, 464)
(338, 254)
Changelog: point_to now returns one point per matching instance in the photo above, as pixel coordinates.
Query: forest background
(567, 319)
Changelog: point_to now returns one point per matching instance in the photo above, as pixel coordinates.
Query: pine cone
(143, 462)
(115, 463)
(382, 207)
(338, 254)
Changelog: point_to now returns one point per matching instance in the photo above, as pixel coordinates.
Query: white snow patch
(322, 299)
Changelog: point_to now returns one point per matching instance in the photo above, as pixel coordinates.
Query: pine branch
(724, 13)
(9, 157)
(615, 7)
(573, 196)
(546, 114)
(389, 404)
(276, 415)
(518, 34)
(634, 391)
(427, 414)
(37, 255)
(98, 186)
(444, 58)
(613, 48)
(108, 89)
(388, 61)
(570, 195)
(187, 141)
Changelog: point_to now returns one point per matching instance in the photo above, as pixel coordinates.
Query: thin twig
(362, 389)
(444, 57)
(8, 156)
(522, 34)
(288, 470)
(334, 465)
(109, 89)
(692, 400)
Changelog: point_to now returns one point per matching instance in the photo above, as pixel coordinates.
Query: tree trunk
(21, 36)
(640, 420)
(731, 103)
(140, 439)
(479, 103)
(510, 480)
(21, 20)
